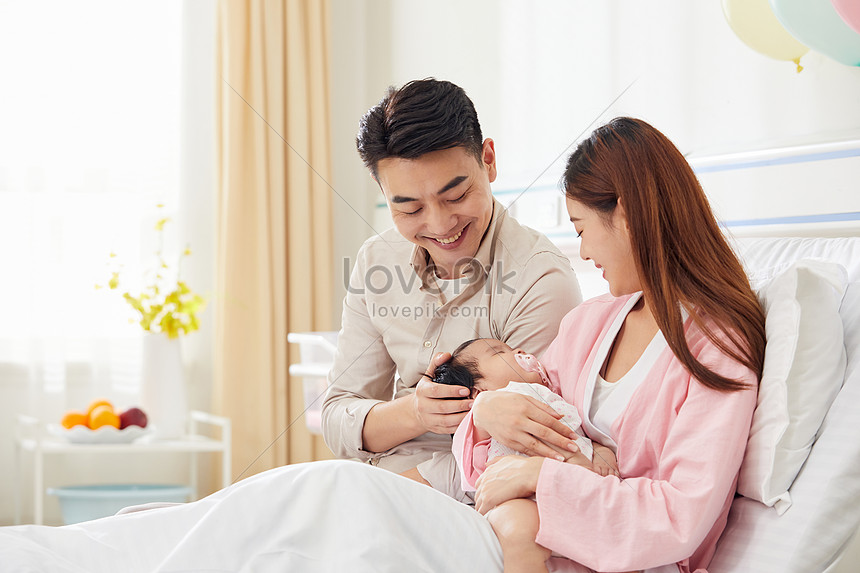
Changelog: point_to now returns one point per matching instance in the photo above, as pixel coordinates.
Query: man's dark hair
(420, 117)
(459, 370)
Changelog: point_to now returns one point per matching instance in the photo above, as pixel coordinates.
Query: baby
(486, 364)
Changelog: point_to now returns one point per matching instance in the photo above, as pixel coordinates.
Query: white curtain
(89, 146)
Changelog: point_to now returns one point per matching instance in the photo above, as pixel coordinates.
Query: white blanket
(326, 516)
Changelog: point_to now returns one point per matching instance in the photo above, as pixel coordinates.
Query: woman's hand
(523, 423)
(507, 477)
(439, 408)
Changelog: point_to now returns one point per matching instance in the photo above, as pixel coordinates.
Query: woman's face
(497, 365)
(607, 245)
(441, 201)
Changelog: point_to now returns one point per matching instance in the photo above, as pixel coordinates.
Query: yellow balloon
(754, 22)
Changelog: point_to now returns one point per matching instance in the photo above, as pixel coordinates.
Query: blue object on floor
(86, 502)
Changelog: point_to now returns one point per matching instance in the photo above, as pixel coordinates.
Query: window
(89, 145)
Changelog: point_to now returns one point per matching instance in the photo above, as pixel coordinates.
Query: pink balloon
(849, 10)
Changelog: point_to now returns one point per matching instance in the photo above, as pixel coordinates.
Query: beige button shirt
(395, 319)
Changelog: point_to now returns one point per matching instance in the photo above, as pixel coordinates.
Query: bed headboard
(803, 190)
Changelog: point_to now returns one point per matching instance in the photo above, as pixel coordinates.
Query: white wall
(541, 72)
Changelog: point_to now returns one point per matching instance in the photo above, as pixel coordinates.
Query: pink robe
(680, 446)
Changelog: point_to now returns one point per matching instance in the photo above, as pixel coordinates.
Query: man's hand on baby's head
(439, 408)
(435, 409)
(431, 389)
(429, 376)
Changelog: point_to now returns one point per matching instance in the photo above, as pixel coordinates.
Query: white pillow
(804, 368)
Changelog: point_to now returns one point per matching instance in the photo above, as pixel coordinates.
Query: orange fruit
(72, 419)
(103, 416)
(96, 403)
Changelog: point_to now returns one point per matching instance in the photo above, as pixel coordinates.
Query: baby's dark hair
(459, 370)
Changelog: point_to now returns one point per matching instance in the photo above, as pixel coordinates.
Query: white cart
(317, 351)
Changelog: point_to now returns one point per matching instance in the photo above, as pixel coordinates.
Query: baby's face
(497, 365)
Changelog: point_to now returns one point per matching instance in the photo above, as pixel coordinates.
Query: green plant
(166, 305)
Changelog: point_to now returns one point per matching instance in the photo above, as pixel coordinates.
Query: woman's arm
(506, 478)
(520, 422)
(523, 423)
(523, 412)
(679, 501)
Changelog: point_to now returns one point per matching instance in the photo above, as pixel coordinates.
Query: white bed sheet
(266, 523)
(825, 511)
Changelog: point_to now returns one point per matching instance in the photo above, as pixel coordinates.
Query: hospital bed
(787, 204)
(812, 534)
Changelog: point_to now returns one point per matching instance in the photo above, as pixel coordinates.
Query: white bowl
(104, 435)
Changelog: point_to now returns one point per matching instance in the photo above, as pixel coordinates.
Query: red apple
(132, 417)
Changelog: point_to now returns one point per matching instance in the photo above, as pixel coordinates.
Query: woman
(664, 370)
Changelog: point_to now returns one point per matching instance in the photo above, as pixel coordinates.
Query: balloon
(849, 10)
(756, 25)
(816, 24)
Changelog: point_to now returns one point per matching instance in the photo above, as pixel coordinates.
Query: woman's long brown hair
(681, 256)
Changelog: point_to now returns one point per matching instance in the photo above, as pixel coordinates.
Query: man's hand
(433, 405)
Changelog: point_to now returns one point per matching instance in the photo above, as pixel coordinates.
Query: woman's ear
(620, 215)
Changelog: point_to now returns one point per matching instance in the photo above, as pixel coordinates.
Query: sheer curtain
(89, 146)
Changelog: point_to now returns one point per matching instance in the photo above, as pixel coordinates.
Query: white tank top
(611, 398)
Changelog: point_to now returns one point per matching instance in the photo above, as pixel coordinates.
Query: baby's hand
(603, 461)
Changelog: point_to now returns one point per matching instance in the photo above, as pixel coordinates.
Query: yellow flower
(162, 307)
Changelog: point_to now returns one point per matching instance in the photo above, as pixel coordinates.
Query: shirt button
(427, 344)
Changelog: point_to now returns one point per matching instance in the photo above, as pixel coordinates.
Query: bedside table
(30, 439)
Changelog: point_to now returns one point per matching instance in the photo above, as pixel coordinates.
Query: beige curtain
(274, 231)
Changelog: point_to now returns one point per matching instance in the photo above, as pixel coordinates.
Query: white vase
(163, 395)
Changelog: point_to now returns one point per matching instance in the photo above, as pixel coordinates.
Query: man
(455, 267)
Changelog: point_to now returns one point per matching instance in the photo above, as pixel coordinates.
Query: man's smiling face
(442, 202)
